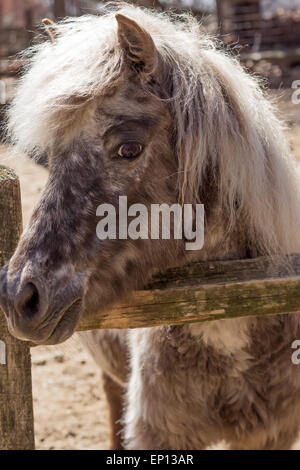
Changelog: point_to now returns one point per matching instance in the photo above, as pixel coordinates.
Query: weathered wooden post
(220, 15)
(29, 24)
(16, 410)
(59, 9)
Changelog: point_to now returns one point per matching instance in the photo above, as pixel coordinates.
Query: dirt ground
(69, 404)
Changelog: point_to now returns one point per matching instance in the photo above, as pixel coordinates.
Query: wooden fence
(270, 42)
(248, 24)
(16, 410)
(195, 293)
(13, 40)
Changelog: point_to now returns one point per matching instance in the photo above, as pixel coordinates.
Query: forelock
(62, 78)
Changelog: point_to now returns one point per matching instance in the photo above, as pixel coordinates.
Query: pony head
(142, 105)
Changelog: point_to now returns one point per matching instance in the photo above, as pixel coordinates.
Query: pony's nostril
(27, 302)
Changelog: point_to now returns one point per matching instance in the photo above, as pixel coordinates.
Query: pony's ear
(50, 28)
(138, 45)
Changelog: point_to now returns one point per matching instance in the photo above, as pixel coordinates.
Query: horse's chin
(66, 326)
(63, 329)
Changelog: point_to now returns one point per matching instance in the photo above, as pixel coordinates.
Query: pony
(146, 105)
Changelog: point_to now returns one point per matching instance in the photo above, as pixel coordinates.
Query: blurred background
(70, 408)
(267, 30)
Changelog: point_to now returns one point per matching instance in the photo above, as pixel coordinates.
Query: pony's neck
(222, 242)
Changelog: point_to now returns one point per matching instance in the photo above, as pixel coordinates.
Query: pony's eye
(130, 150)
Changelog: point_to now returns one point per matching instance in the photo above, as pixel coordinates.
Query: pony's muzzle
(36, 307)
(25, 304)
(30, 303)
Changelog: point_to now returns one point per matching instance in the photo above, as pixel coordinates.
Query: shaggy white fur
(223, 121)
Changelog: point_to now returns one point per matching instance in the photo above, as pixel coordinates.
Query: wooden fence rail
(208, 291)
(16, 411)
(195, 293)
